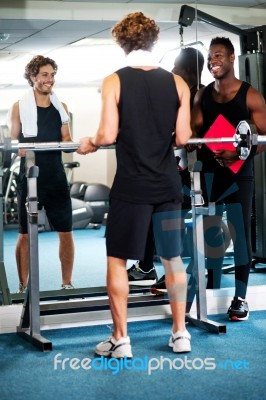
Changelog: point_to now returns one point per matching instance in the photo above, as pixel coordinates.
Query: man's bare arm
(65, 129)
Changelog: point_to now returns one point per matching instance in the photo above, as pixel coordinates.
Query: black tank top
(146, 165)
(49, 130)
(234, 111)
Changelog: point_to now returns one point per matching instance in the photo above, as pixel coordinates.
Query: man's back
(145, 162)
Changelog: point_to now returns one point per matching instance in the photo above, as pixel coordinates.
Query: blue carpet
(236, 360)
(90, 261)
(89, 266)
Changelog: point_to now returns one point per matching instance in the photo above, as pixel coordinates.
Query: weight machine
(29, 327)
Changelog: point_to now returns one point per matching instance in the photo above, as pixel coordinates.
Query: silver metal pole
(61, 146)
(197, 285)
(30, 319)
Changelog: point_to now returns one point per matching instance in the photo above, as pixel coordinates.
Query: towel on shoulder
(28, 112)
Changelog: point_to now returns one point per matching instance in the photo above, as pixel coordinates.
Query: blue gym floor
(90, 261)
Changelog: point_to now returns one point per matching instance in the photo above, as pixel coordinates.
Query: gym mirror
(82, 66)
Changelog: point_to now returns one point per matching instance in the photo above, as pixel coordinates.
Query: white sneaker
(21, 288)
(69, 286)
(180, 342)
(114, 348)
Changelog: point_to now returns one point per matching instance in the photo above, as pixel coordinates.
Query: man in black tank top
(227, 180)
(40, 117)
(145, 109)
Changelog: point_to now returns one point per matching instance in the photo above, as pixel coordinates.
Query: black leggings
(235, 198)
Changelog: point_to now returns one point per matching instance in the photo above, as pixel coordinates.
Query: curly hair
(33, 67)
(136, 32)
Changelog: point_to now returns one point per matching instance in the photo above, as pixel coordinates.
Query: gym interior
(46, 322)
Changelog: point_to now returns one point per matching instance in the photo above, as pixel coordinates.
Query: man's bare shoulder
(255, 97)
(111, 79)
(15, 105)
(111, 86)
(253, 91)
(14, 109)
(178, 79)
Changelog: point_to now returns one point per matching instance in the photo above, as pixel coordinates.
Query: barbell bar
(244, 137)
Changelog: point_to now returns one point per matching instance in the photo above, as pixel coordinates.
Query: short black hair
(226, 42)
(190, 59)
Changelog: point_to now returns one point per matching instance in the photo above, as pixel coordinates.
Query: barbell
(244, 138)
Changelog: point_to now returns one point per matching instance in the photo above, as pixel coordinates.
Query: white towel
(141, 58)
(28, 112)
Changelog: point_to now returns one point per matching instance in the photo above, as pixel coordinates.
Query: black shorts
(128, 225)
(56, 201)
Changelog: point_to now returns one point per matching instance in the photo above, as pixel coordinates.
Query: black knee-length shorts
(128, 225)
(56, 200)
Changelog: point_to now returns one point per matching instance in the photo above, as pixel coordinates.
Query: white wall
(85, 103)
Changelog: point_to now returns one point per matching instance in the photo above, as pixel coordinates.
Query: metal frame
(29, 327)
(197, 284)
(5, 298)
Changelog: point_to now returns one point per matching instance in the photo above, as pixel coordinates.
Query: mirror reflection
(78, 83)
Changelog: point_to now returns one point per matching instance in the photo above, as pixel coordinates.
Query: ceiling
(54, 28)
